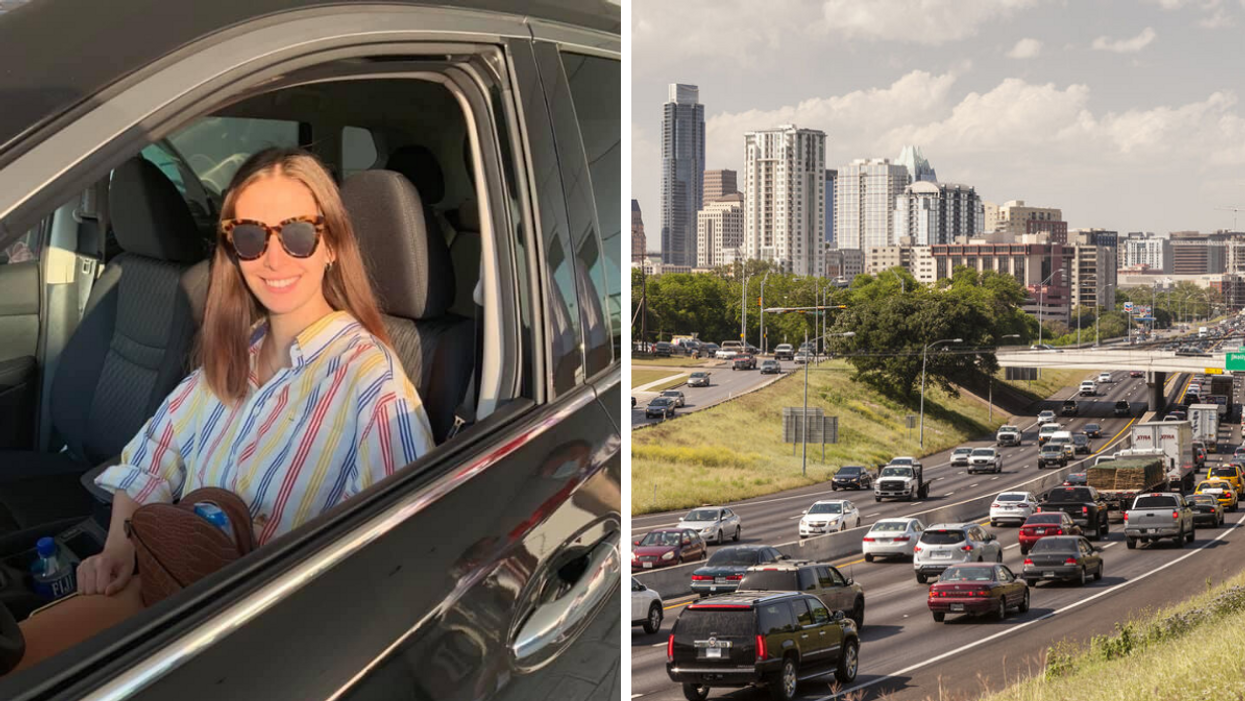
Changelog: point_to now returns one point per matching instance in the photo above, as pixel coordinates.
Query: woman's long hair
(232, 308)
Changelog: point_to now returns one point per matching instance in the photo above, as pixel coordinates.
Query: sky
(1125, 114)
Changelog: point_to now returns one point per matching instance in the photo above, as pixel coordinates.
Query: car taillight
(916, 549)
(867, 539)
(760, 648)
(966, 548)
(1125, 515)
(903, 539)
(701, 577)
(1039, 510)
(1059, 532)
(1175, 514)
(1028, 561)
(1070, 561)
(995, 505)
(734, 577)
(1084, 510)
(670, 648)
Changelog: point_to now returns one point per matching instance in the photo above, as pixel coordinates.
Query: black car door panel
(19, 342)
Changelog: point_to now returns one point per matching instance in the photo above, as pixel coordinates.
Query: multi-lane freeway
(724, 383)
(904, 653)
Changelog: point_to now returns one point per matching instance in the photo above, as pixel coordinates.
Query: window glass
(25, 248)
(837, 578)
(214, 147)
(776, 618)
(358, 150)
(803, 616)
(820, 613)
(596, 93)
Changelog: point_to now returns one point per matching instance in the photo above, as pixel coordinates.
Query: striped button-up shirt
(343, 417)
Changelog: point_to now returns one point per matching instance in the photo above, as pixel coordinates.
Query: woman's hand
(108, 572)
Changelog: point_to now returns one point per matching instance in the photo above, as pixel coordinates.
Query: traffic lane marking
(1026, 624)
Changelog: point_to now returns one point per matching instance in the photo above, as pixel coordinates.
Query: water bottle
(54, 571)
(215, 516)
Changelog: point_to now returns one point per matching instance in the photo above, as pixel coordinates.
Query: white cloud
(929, 22)
(1126, 46)
(1026, 48)
(1219, 20)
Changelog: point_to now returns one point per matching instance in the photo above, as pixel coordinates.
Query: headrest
(411, 270)
(149, 216)
(422, 169)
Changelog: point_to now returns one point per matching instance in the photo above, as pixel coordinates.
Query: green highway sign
(1234, 361)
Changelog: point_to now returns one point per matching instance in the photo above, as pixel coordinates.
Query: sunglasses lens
(248, 240)
(299, 238)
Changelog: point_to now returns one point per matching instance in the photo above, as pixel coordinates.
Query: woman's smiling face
(281, 282)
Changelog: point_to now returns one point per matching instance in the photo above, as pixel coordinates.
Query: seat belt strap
(465, 413)
(93, 207)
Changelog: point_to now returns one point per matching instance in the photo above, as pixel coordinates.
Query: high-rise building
(864, 202)
(929, 213)
(843, 264)
(1094, 265)
(1017, 219)
(720, 231)
(638, 242)
(1043, 268)
(1145, 252)
(1195, 253)
(917, 260)
(919, 169)
(784, 197)
(682, 173)
(719, 183)
(830, 176)
(990, 212)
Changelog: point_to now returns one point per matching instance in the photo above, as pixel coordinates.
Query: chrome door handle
(554, 623)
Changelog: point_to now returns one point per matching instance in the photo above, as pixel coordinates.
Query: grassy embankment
(640, 376)
(1050, 382)
(735, 451)
(1190, 651)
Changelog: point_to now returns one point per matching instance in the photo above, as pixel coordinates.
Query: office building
(919, 169)
(929, 213)
(916, 259)
(830, 176)
(1045, 269)
(1195, 253)
(682, 173)
(1094, 267)
(864, 203)
(1141, 252)
(843, 264)
(638, 242)
(784, 198)
(719, 183)
(1017, 219)
(720, 231)
(990, 215)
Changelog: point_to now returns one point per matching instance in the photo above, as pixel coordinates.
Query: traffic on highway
(1058, 526)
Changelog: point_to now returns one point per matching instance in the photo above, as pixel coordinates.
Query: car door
(418, 611)
(826, 632)
(806, 636)
(21, 299)
(1012, 589)
(637, 602)
(832, 589)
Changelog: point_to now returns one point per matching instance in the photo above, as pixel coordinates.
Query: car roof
(744, 598)
(949, 527)
(1015, 491)
(37, 87)
(830, 501)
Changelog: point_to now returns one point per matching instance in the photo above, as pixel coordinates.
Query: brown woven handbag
(176, 547)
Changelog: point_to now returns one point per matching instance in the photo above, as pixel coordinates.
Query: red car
(1135, 373)
(665, 547)
(976, 590)
(744, 362)
(1040, 525)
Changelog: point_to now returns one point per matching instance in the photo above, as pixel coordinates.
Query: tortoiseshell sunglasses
(249, 238)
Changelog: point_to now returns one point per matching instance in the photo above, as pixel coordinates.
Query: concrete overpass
(1157, 364)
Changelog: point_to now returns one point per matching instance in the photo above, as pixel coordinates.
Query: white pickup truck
(1008, 435)
(1159, 515)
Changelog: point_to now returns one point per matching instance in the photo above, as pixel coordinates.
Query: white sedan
(829, 516)
(713, 523)
(892, 537)
(646, 607)
(1012, 506)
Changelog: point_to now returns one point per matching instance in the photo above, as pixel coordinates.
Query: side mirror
(839, 616)
(991, 537)
(641, 587)
(850, 581)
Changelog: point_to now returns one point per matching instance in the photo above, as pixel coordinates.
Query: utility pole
(804, 416)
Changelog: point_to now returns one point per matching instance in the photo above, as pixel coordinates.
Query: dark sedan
(1063, 557)
(1123, 408)
(726, 567)
(1076, 479)
(666, 547)
(1207, 511)
(977, 590)
(852, 477)
(1093, 431)
(660, 408)
(122, 126)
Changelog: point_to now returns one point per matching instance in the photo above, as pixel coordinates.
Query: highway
(904, 654)
(723, 384)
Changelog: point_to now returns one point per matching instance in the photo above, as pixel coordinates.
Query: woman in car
(298, 401)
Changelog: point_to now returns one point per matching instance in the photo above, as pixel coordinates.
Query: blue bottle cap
(46, 546)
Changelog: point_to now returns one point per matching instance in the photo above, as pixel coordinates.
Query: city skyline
(1127, 117)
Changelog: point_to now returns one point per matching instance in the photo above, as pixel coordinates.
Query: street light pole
(764, 341)
(991, 392)
(924, 354)
(743, 311)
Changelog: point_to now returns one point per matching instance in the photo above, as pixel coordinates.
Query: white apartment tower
(864, 203)
(929, 213)
(720, 231)
(785, 198)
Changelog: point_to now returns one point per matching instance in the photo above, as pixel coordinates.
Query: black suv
(760, 639)
(836, 591)
(1123, 408)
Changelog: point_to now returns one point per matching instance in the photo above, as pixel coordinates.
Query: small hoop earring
(329, 265)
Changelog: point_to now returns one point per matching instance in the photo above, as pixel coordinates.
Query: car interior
(403, 154)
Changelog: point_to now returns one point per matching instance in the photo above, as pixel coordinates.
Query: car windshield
(1212, 485)
(849, 471)
(700, 374)
(888, 526)
(942, 537)
(1048, 429)
(1011, 497)
(896, 472)
(901, 461)
(962, 451)
(659, 401)
(968, 574)
(733, 557)
(1078, 438)
(984, 451)
(1092, 427)
(772, 580)
(826, 509)
(1223, 472)
(1009, 429)
(1044, 519)
(702, 515)
(671, 393)
(1055, 545)
(1051, 447)
(661, 538)
(1202, 499)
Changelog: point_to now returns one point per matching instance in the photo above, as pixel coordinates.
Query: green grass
(1050, 382)
(1190, 651)
(735, 451)
(643, 377)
